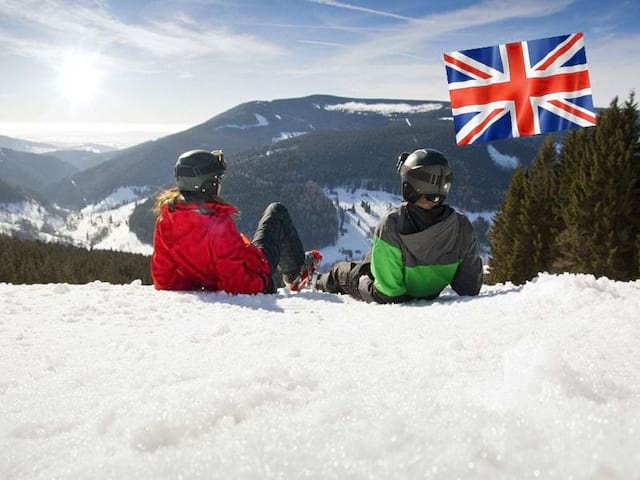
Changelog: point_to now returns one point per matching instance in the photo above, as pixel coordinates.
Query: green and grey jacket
(422, 264)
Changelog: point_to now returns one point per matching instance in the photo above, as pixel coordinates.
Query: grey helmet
(200, 171)
(424, 173)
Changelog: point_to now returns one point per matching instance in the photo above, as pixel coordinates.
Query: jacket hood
(438, 244)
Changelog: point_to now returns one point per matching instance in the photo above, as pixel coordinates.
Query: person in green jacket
(419, 248)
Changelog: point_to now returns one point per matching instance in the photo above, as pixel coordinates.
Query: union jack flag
(519, 89)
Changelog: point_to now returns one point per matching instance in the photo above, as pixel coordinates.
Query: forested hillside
(28, 261)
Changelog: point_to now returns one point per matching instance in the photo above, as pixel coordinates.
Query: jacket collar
(210, 208)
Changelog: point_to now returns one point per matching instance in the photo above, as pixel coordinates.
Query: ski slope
(102, 381)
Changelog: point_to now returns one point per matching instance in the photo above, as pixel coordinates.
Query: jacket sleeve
(164, 270)
(469, 276)
(241, 266)
(387, 267)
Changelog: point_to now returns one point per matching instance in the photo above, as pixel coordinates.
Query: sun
(78, 76)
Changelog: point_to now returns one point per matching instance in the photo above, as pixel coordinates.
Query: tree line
(31, 261)
(577, 208)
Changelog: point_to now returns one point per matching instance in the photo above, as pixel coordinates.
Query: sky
(182, 62)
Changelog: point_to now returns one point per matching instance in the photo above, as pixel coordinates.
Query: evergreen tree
(506, 238)
(539, 222)
(601, 204)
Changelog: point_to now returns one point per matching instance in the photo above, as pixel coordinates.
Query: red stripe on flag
(537, 87)
(479, 128)
(574, 111)
(466, 67)
(553, 57)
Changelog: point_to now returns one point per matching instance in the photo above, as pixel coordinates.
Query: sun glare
(78, 77)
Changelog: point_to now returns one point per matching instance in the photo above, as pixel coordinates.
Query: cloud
(321, 43)
(412, 36)
(348, 6)
(611, 72)
(56, 24)
(403, 58)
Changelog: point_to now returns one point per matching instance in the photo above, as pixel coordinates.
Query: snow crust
(505, 161)
(286, 136)
(383, 108)
(261, 121)
(103, 381)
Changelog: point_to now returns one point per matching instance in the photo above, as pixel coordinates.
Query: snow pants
(279, 240)
(344, 277)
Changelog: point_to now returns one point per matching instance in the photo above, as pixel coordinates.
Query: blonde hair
(167, 197)
(172, 196)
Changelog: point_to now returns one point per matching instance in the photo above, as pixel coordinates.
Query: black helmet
(424, 172)
(200, 171)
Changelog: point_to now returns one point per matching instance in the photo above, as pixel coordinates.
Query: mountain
(354, 159)
(293, 150)
(245, 127)
(31, 170)
(104, 381)
(10, 193)
(83, 159)
(24, 145)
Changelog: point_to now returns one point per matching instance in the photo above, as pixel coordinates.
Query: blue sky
(184, 61)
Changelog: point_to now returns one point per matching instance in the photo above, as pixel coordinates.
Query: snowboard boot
(298, 281)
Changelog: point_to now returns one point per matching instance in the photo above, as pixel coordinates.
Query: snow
(504, 161)
(383, 108)
(105, 381)
(473, 216)
(446, 118)
(261, 121)
(286, 136)
(107, 229)
(277, 116)
(32, 216)
(408, 122)
(355, 240)
(104, 225)
(118, 197)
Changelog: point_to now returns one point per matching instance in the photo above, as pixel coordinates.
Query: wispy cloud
(60, 23)
(412, 36)
(403, 58)
(321, 43)
(349, 6)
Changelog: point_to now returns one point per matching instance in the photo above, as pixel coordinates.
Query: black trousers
(279, 240)
(344, 277)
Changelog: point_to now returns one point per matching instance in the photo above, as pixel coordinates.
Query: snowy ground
(102, 381)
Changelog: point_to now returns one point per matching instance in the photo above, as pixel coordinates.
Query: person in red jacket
(196, 244)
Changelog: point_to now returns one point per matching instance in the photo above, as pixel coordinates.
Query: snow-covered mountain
(106, 381)
(104, 225)
(260, 124)
(331, 141)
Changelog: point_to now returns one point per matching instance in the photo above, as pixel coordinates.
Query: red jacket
(198, 246)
